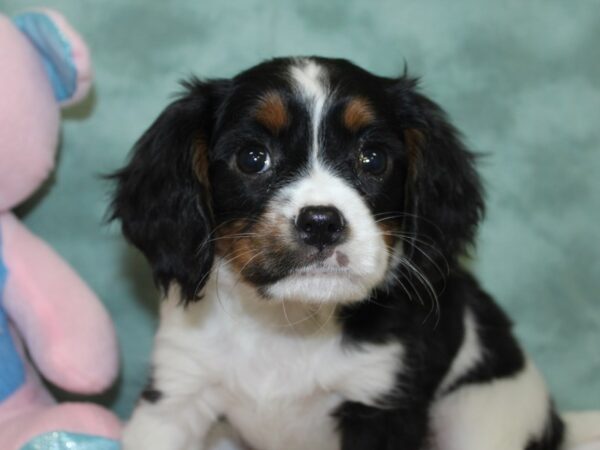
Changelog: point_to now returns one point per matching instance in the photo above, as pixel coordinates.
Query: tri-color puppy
(305, 221)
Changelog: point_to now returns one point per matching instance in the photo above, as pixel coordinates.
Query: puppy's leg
(156, 427)
(182, 402)
(176, 411)
(513, 413)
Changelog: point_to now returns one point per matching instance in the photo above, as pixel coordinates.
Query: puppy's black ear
(162, 194)
(444, 192)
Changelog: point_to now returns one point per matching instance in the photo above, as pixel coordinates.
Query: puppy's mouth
(326, 262)
(265, 267)
(268, 256)
(320, 270)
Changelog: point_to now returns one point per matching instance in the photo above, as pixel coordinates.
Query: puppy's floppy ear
(162, 194)
(444, 192)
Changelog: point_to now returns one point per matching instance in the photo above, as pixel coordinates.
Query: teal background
(521, 79)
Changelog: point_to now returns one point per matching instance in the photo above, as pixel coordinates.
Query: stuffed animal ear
(63, 52)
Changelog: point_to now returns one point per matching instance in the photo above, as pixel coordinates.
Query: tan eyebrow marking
(357, 114)
(271, 112)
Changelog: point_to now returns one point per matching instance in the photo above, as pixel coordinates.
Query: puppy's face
(303, 164)
(311, 178)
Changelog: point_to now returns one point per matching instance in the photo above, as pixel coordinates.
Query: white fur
(583, 428)
(276, 370)
(365, 248)
(477, 416)
(504, 414)
(469, 354)
(310, 81)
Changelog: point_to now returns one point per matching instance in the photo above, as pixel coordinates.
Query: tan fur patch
(415, 139)
(272, 113)
(247, 243)
(358, 114)
(229, 235)
(388, 229)
(234, 244)
(200, 160)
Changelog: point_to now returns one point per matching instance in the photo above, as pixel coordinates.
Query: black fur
(150, 393)
(431, 345)
(553, 435)
(162, 204)
(446, 196)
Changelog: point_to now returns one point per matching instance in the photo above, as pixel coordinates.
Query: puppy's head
(310, 178)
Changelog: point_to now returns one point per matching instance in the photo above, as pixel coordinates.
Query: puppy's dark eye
(372, 161)
(253, 160)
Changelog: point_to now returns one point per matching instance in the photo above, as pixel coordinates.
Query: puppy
(304, 221)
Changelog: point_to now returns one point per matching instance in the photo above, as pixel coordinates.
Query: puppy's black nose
(320, 226)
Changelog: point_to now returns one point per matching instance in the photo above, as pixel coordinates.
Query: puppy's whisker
(412, 237)
(218, 285)
(241, 271)
(389, 218)
(415, 290)
(326, 322)
(409, 215)
(311, 316)
(397, 278)
(248, 222)
(428, 287)
(381, 305)
(285, 314)
(232, 237)
(216, 269)
(443, 273)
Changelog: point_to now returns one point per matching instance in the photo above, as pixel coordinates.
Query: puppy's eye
(253, 160)
(372, 161)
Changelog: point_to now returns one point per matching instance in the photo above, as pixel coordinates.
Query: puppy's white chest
(282, 390)
(299, 424)
(279, 375)
(277, 391)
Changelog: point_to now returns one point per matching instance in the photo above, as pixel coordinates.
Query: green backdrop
(521, 79)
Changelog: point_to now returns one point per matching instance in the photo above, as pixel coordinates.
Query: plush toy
(46, 311)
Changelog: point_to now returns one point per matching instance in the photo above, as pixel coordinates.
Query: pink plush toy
(45, 308)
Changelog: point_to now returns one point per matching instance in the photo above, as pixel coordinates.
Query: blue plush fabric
(61, 440)
(12, 371)
(54, 50)
(521, 79)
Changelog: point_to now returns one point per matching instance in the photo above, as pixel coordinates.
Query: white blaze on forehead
(310, 80)
(365, 251)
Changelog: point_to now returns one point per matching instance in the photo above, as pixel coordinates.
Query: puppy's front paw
(148, 430)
